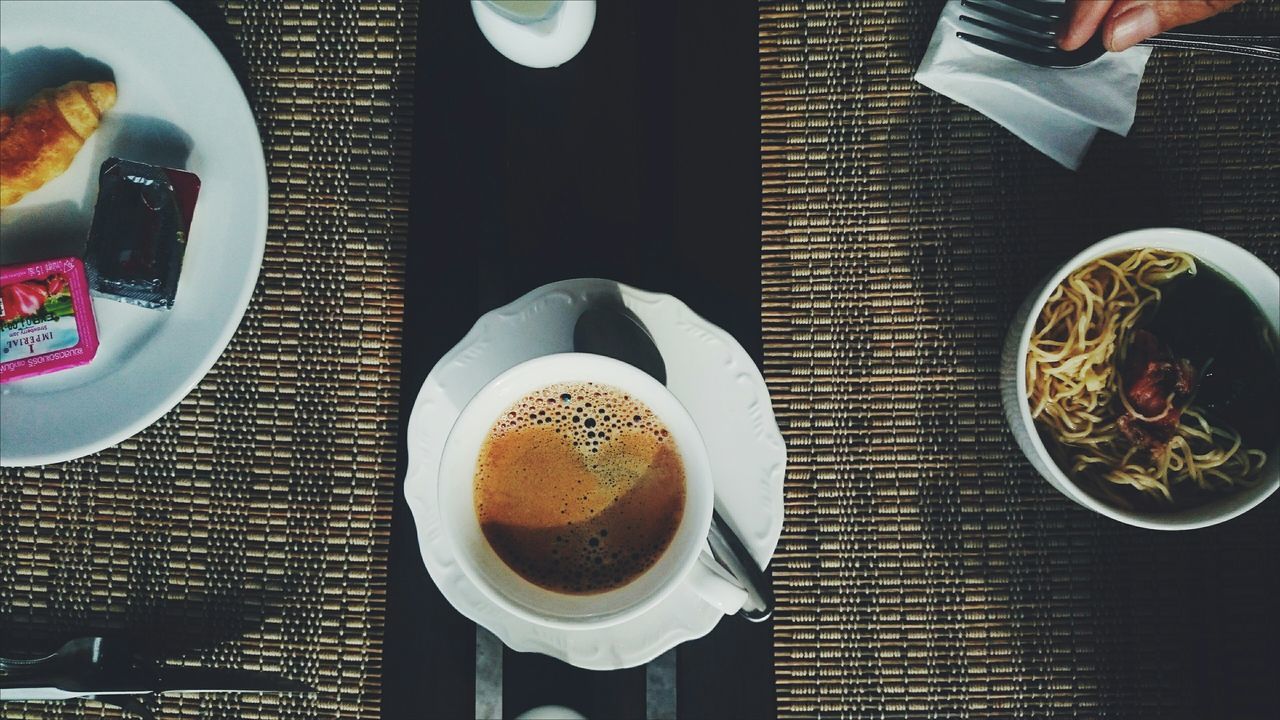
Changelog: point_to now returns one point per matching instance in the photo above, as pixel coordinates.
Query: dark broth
(1212, 322)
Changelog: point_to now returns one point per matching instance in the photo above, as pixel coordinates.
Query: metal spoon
(610, 329)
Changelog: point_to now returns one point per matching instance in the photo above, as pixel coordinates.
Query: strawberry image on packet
(46, 318)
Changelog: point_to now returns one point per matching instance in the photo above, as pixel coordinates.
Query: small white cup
(687, 559)
(1247, 271)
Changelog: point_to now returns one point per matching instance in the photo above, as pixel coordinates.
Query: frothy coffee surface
(579, 488)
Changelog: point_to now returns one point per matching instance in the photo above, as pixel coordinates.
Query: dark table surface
(637, 161)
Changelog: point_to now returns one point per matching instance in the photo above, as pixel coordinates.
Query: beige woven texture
(925, 570)
(248, 528)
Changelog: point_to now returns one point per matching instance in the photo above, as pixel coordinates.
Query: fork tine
(1044, 27)
(1013, 52)
(1035, 42)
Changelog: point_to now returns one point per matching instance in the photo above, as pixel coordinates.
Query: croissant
(39, 141)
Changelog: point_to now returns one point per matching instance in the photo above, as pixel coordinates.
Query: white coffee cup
(687, 559)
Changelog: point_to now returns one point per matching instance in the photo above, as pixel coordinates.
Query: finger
(1082, 22)
(1131, 21)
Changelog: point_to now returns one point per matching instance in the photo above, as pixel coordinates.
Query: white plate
(707, 370)
(178, 105)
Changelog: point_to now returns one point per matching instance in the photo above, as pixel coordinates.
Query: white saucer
(706, 369)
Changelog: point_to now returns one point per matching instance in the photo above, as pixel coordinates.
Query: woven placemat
(925, 570)
(249, 527)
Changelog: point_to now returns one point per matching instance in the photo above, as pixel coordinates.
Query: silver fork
(1027, 31)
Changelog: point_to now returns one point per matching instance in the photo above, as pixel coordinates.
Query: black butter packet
(139, 232)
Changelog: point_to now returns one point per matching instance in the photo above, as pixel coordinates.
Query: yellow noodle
(1074, 392)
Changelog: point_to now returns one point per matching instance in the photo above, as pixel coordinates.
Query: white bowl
(1259, 281)
(543, 44)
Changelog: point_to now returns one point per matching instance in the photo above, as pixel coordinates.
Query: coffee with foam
(579, 488)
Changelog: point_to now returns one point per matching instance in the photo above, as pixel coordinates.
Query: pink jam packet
(46, 318)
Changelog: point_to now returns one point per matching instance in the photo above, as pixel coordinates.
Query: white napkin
(1057, 111)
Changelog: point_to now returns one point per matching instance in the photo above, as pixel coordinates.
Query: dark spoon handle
(731, 553)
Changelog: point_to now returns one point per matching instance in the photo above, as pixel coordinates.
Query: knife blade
(100, 667)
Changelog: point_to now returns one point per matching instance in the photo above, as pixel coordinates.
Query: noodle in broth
(1074, 385)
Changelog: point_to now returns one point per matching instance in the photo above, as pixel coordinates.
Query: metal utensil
(107, 670)
(1028, 31)
(610, 329)
(728, 550)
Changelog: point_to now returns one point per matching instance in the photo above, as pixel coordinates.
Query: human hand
(1125, 22)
